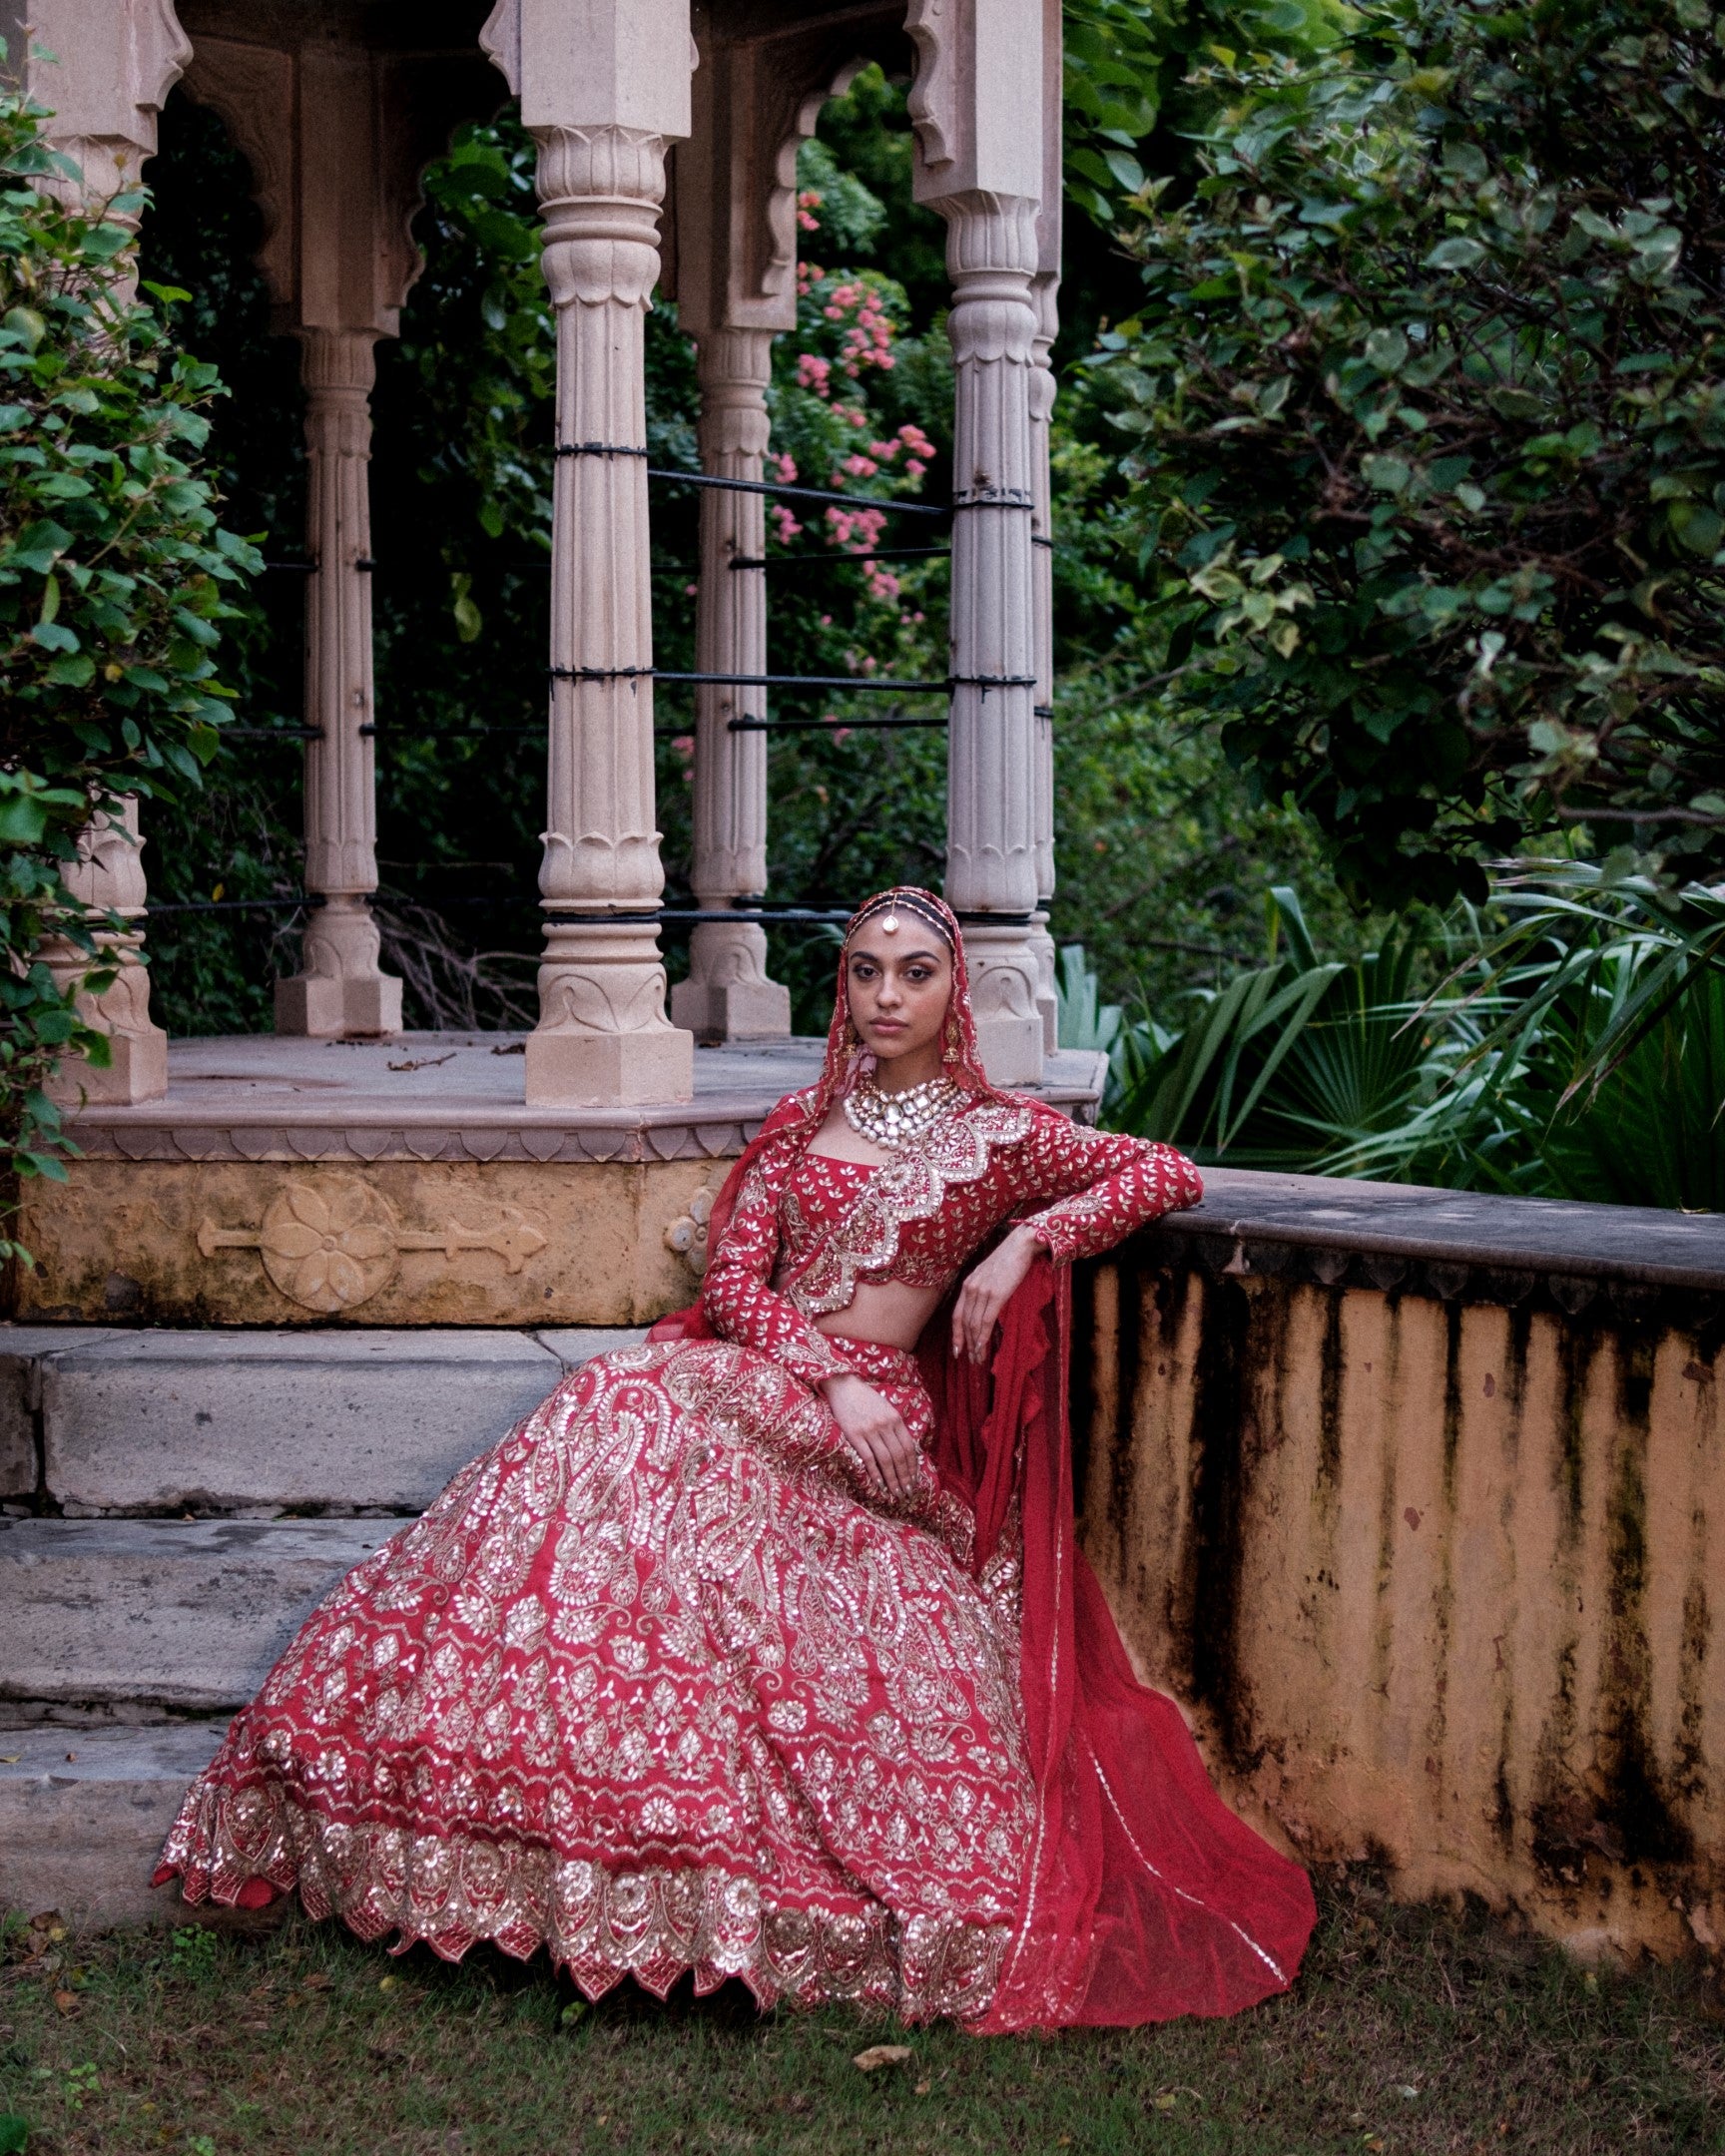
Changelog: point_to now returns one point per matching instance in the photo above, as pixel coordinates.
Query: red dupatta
(1143, 1897)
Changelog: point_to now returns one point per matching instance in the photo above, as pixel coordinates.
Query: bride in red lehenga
(765, 1649)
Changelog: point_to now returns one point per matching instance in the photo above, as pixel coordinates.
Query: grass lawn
(1412, 2031)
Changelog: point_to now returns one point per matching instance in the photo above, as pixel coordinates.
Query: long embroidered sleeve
(1104, 1184)
(740, 1303)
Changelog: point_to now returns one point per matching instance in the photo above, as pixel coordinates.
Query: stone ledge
(184, 1616)
(1412, 1239)
(294, 1182)
(82, 1834)
(456, 1097)
(215, 1422)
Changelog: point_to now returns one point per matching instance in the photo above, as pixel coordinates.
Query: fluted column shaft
(340, 990)
(991, 748)
(603, 1037)
(727, 995)
(1043, 290)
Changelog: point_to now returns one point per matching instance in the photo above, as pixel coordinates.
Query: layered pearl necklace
(893, 1120)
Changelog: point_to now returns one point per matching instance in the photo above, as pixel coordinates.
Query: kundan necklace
(892, 1120)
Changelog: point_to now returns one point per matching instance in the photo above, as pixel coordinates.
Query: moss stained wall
(1434, 1573)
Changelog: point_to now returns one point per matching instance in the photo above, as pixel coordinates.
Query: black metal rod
(401, 732)
(840, 560)
(236, 905)
(800, 493)
(825, 725)
(271, 733)
(806, 681)
(767, 915)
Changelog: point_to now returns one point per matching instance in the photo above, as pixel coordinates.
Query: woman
(765, 1649)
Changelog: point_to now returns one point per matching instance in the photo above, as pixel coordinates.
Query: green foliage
(1522, 1072)
(1295, 1064)
(1129, 93)
(114, 579)
(1426, 429)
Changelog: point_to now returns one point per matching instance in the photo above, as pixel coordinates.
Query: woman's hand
(874, 1431)
(990, 1287)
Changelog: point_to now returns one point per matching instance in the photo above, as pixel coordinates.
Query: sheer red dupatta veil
(1143, 1895)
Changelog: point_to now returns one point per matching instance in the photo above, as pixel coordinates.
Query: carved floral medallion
(333, 1245)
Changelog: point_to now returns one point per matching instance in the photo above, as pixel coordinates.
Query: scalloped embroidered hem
(654, 1924)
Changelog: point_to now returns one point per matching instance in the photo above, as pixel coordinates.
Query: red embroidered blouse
(918, 1218)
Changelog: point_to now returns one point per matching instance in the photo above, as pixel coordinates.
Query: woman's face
(899, 985)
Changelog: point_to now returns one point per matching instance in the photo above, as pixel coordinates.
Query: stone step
(83, 1814)
(177, 1615)
(106, 1422)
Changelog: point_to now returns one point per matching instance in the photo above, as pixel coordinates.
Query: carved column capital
(600, 191)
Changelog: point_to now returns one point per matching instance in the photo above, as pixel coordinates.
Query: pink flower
(915, 467)
(784, 525)
(812, 372)
(860, 467)
(807, 204)
(784, 469)
(684, 745)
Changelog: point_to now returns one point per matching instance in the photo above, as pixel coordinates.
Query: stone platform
(172, 1505)
(402, 1182)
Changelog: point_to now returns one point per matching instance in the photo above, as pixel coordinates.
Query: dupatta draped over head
(1142, 1896)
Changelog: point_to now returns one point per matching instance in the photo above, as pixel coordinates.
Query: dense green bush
(1426, 414)
(1448, 1055)
(114, 577)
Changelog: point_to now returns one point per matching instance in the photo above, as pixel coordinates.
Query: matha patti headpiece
(899, 901)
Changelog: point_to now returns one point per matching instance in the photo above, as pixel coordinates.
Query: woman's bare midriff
(891, 1311)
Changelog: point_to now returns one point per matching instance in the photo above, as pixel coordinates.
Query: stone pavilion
(667, 138)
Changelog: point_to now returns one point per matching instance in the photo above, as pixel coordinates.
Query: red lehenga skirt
(662, 1685)
(659, 1685)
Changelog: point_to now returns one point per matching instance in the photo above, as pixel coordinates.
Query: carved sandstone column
(108, 877)
(104, 74)
(339, 991)
(1043, 289)
(992, 858)
(603, 1037)
(727, 995)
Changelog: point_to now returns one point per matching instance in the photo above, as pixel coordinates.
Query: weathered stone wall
(1428, 1546)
